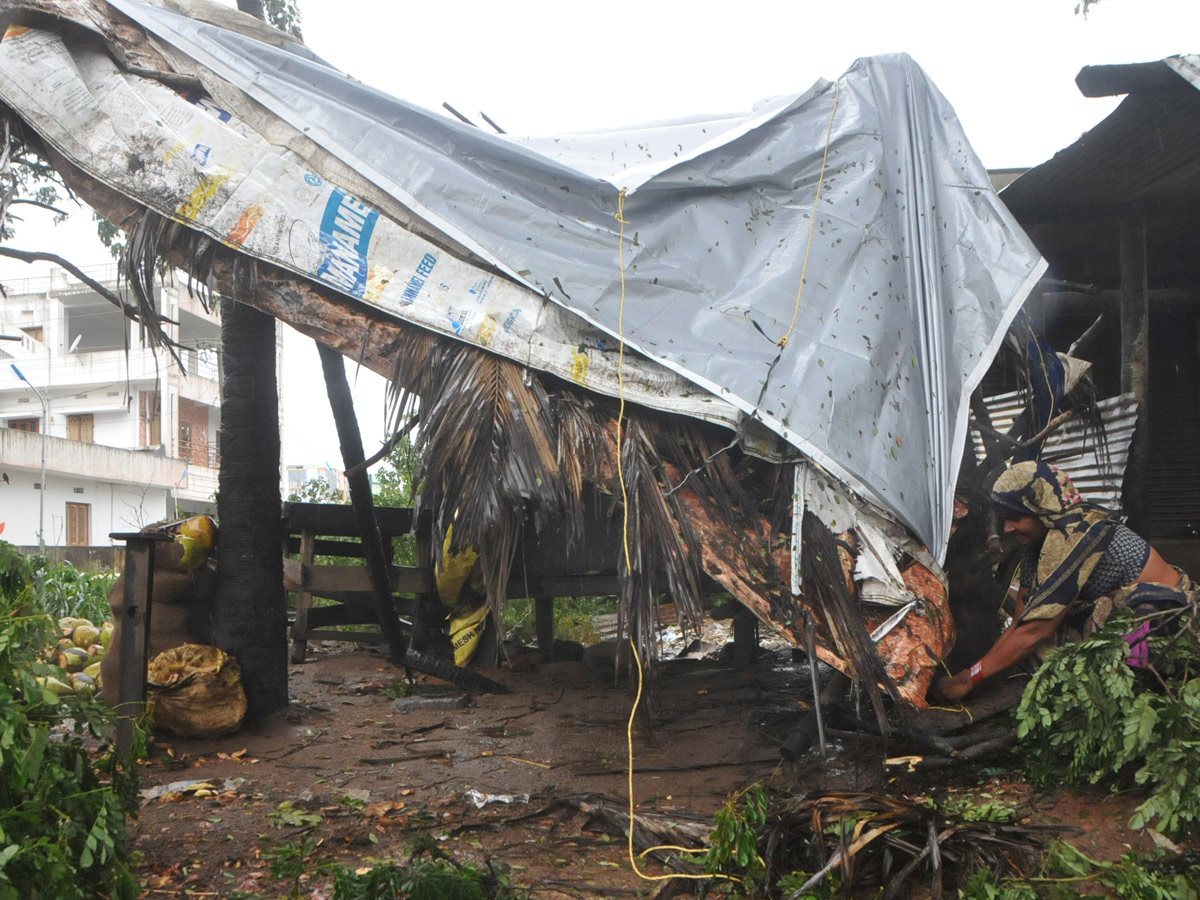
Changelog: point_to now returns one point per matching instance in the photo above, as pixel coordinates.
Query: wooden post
(543, 613)
(132, 631)
(342, 405)
(745, 637)
(1135, 361)
(303, 599)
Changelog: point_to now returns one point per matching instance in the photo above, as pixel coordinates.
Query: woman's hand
(954, 687)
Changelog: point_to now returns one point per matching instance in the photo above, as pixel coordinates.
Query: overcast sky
(548, 67)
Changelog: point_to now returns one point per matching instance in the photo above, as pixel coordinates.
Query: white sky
(550, 66)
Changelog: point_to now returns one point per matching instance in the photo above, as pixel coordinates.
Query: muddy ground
(534, 779)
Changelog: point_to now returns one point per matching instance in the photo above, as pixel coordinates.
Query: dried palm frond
(487, 451)
(658, 541)
(584, 453)
(826, 591)
(876, 840)
(149, 241)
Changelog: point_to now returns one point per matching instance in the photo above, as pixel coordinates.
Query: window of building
(150, 414)
(81, 427)
(33, 424)
(79, 524)
(35, 332)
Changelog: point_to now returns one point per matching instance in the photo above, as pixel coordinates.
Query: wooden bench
(312, 530)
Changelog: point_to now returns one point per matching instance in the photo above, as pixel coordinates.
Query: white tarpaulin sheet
(833, 264)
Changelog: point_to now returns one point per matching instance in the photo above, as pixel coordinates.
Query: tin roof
(1139, 161)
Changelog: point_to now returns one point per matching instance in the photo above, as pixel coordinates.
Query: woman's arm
(1016, 643)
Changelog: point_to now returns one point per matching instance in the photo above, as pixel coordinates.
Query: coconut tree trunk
(250, 608)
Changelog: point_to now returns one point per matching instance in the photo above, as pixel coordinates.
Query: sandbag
(195, 691)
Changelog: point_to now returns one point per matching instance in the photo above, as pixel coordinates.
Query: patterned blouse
(1121, 564)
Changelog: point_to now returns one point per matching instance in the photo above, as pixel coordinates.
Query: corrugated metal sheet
(1097, 468)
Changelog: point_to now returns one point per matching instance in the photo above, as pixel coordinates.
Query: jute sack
(195, 691)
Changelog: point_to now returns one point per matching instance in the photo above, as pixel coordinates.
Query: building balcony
(95, 462)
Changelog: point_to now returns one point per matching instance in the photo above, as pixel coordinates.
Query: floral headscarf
(1077, 534)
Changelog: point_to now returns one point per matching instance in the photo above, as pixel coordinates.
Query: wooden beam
(1135, 360)
(342, 406)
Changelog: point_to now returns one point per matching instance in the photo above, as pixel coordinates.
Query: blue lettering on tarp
(458, 319)
(413, 289)
(200, 154)
(511, 319)
(206, 103)
(346, 230)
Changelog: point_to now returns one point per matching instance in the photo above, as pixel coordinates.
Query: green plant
(288, 815)
(62, 813)
(289, 862)
(14, 570)
(62, 590)
(1088, 711)
(734, 840)
(430, 874)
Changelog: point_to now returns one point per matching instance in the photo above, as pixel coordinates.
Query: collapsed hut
(749, 343)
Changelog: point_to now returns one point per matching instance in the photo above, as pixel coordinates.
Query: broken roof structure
(826, 277)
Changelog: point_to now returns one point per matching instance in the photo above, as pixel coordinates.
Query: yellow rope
(621, 220)
(629, 569)
(812, 225)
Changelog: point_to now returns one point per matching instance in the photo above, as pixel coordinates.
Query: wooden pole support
(132, 631)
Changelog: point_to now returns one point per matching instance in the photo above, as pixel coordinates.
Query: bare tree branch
(1015, 445)
(54, 209)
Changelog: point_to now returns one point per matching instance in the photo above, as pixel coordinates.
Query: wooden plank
(359, 637)
(132, 628)
(339, 519)
(326, 547)
(325, 580)
(347, 614)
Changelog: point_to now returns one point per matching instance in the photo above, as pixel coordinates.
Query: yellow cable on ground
(622, 222)
(629, 569)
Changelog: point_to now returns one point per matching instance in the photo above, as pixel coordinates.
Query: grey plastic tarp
(856, 333)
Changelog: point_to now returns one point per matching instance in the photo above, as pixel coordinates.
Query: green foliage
(15, 572)
(1067, 873)
(62, 590)
(734, 839)
(289, 862)
(981, 886)
(62, 815)
(288, 815)
(790, 886)
(317, 490)
(285, 15)
(26, 180)
(573, 618)
(425, 878)
(1090, 714)
(977, 808)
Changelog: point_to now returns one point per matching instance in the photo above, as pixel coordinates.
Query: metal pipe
(42, 487)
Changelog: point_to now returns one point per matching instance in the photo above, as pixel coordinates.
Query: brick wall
(193, 421)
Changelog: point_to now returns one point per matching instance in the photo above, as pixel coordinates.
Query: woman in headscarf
(1080, 565)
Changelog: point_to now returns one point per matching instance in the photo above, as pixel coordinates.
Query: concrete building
(99, 432)
(320, 481)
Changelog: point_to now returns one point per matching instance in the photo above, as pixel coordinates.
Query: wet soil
(534, 779)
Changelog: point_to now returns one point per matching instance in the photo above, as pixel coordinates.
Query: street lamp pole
(42, 491)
